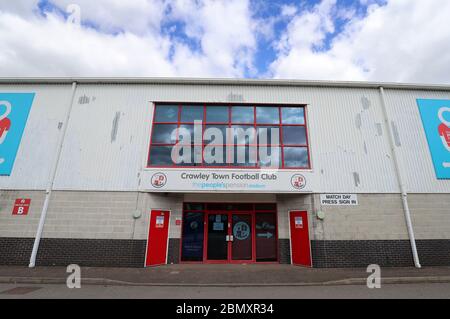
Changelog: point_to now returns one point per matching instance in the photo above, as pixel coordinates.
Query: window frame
(230, 123)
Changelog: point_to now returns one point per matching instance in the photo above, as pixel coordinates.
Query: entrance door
(229, 237)
(217, 237)
(157, 238)
(241, 237)
(301, 249)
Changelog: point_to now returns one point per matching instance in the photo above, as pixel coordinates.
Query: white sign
(226, 180)
(339, 199)
(298, 222)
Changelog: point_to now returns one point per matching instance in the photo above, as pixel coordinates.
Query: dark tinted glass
(292, 115)
(266, 237)
(217, 114)
(265, 206)
(242, 114)
(194, 206)
(295, 157)
(162, 133)
(161, 156)
(294, 135)
(166, 113)
(267, 115)
(189, 113)
(193, 236)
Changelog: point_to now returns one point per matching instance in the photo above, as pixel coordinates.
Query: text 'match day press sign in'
(436, 122)
(14, 110)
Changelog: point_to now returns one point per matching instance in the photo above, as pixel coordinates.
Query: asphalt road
(413, 291)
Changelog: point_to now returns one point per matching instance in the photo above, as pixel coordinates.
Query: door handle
(231, 238)
(227, 238)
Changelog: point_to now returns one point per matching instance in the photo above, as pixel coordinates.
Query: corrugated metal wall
(412, 147)
(107, 139)
(37, 148)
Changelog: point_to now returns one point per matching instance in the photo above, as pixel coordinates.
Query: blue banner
(436, 122)
(14, 110)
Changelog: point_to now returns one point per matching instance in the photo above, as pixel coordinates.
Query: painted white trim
(290, 237)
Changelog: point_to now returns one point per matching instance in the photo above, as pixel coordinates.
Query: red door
(301, 250)
(157, 238)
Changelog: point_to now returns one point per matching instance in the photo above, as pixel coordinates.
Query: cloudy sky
(375, 40)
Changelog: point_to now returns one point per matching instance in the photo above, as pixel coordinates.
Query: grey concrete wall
(86, 215)
(377, 217)
(20, 226)
(430, 214)
(109, 215)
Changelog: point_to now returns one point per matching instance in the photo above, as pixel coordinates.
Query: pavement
(222, 276)
(222, 294)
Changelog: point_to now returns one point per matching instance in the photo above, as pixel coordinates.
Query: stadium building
(143, 172)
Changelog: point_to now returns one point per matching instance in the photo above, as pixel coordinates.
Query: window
(235, 136)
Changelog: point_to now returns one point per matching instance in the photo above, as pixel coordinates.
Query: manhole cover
(20, 290)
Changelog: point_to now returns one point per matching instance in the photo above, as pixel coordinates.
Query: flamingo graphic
(444, 131)
(5, 124)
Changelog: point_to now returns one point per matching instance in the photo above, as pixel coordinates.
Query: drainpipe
(51, 180)
(400, 182)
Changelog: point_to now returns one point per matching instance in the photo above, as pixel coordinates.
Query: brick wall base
(131, 253)
(173, 253)
(284, 251)
(15, 251)
(83, 252)
(386, 253)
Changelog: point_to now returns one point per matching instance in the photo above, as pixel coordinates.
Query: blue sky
(308, 39)
(264, 10)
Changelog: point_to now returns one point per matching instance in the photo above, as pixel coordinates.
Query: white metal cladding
(37, 148)
(412, 146)
(107, 139)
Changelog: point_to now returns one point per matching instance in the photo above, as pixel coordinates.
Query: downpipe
(404, 194)
(412, 238)
(51, 181)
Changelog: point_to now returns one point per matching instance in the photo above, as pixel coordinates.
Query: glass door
(217, 237)
(242, 237)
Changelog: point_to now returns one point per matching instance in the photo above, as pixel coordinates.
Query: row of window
(277, 157)
(230, 136)
(229, 114)
(168, 134)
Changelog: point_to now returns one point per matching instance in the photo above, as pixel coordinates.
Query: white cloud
(51, 47)
(404, 41)
(20, 7)
(136, 16)
(224, 29)
(48, 46)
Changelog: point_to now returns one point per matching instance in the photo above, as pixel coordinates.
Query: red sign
(178, 222)
(21, 206)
